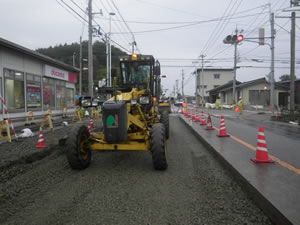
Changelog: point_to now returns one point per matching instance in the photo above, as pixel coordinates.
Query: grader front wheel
(78, 151)
(164, 119)
(159, 147)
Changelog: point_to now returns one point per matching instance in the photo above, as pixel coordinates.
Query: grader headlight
(144, 100)
(133, 101)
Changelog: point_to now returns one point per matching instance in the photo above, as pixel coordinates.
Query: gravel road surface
(123, 188)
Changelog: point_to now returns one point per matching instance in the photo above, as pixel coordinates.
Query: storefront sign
(33, 96)
(53, 72)
(72, 77)
(56, 73)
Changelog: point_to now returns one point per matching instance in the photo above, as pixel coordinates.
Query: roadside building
(254, 92)
(30, 81)
(284, 97)
(210, 79)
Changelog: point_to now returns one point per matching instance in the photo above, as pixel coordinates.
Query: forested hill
(65, 53)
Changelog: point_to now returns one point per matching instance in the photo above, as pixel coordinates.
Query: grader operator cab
(131, 120)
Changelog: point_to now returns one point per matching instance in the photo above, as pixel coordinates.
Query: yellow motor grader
(131, 120)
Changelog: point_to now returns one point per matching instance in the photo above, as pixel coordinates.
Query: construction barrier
(4, 122)
(65, 113)
(47, 124)
(28, 115)
(95, 114)
(7, 133)
(77, 116)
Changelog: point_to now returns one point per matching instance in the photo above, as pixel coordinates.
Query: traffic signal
(231, 39)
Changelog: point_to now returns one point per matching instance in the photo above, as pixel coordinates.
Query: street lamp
(109, 71)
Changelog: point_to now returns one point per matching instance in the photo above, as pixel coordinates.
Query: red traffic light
(240, 38)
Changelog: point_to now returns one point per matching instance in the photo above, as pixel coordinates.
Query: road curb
(267, 207)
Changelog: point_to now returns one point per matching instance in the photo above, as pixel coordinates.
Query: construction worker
(241, 103)
(217, 103)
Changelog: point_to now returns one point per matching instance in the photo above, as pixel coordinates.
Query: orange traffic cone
(193, 115)
(188, 115)
(203, 123)
(262, 156)
(91, 123)
(222, 132)
(197, 116)
(209, 123)
(90, 127)
(41, 142)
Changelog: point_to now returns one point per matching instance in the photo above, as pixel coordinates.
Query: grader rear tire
(78, 152)
(164, 119)
(159, 147)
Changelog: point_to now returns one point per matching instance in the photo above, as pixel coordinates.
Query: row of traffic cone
(41, 141)
(262, 156)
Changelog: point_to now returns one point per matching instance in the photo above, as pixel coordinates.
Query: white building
(211, 78)
(30, 81)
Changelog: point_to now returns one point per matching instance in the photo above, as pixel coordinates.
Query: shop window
(48, 93)
(14, 90)
(60, 97)
(69, 97)
(33, 92)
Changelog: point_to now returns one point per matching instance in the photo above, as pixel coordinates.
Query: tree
(284, 77)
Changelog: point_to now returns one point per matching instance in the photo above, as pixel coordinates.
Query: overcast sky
(176, 32)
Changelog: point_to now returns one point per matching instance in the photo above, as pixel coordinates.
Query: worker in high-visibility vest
(241, 103)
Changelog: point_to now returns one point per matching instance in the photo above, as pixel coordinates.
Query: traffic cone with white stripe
(91, 123)
(197, 116)
(203, 123)
(262, 156)
(209, 123)
(90, 126)
(193, 115)
(41, 142)
(188, 115)
(222, 132)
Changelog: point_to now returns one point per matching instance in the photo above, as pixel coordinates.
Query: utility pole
(74, 54)
(202, 83)
(80, 66)
(293, 46)
(107, 61)
(176, 88)
(182, 83)
(110, 14)
(133, 44)
(90, 50)
(272, 62)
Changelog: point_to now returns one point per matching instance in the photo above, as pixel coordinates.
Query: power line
(188, 25)
(94, 21)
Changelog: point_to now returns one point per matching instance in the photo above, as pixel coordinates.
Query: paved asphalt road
(122, 188)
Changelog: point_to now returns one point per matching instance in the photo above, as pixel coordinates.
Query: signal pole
(182, 83)
(234, 70)
(90, 50)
